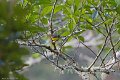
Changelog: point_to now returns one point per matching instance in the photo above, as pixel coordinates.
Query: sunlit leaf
(46, 10)
(77, 3)
(90, 20)
(70, 26)
(67, 11)
(44, 2)
(58, 8)
(69, 2)
(65, 33)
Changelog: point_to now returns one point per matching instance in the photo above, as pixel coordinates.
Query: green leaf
(21, 12)
(44, 20)
(89, 20)
(88, 27)
(67, 11)
(118, 28)
(70, 38)
(46, 10)
(74, 19)
(66, 48)
(70, 26)
(118, 31)
(69, 2)
(58, 8)
(118, 9)
(44, 1)
(66, 33)
(83, 11)
(108, 21)
(36, 55)
(36, 29)
(81, 38)
(77, 3)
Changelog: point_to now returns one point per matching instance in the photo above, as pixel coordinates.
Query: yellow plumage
(55, 38)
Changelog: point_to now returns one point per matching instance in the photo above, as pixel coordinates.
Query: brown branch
(99, 12)
(114, 53)
(50, 49)
(51, 26)
(49, 59)
(72, 33)
(109, 33)
(51, 18)
(90, 50)
(95, 26)
(94, 69)
(100, 52)
(109, 52)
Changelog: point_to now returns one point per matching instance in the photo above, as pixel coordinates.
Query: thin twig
(109, 52)
(99, 51)
(72, 33)
(51, 17)
(95, 26)
(51, 26)
(49, 59)
(99, 12)
(114, 53)
(90, 50)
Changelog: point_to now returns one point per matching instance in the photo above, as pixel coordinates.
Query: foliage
(12, 26)
(26, 19)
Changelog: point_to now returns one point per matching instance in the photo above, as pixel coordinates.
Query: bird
(55, 37)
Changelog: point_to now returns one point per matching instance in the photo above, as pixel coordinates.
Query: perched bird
(55, 37)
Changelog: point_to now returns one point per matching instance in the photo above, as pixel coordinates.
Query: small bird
(55, 37)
